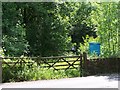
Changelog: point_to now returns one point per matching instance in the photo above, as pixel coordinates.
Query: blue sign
(94, 48)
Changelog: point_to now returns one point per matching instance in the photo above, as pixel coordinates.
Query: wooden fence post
(81, 66)
(85, 61)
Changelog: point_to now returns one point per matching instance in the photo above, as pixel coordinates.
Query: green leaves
(106, 17)
(14, 43)
(41, 28)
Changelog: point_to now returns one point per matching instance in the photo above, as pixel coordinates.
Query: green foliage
(81, 24)
(106, 18)
(39, 27)
(78, 35)
(85, 47)
(14, 43)
(48, 29)
(35, 73)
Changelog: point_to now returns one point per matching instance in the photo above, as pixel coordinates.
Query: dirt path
(104, 81)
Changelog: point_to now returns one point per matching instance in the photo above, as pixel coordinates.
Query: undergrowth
(25, 73)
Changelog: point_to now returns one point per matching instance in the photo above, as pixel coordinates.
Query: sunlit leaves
(106, 18)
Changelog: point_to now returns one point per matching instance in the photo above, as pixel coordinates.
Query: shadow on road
(115, 77)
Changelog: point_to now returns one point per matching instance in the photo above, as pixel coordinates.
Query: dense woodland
(53, 28)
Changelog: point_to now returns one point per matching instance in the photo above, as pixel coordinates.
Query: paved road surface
(110, 81)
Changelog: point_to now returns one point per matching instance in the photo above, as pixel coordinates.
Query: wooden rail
(52, 57)
(79, 62)
(44, 62)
